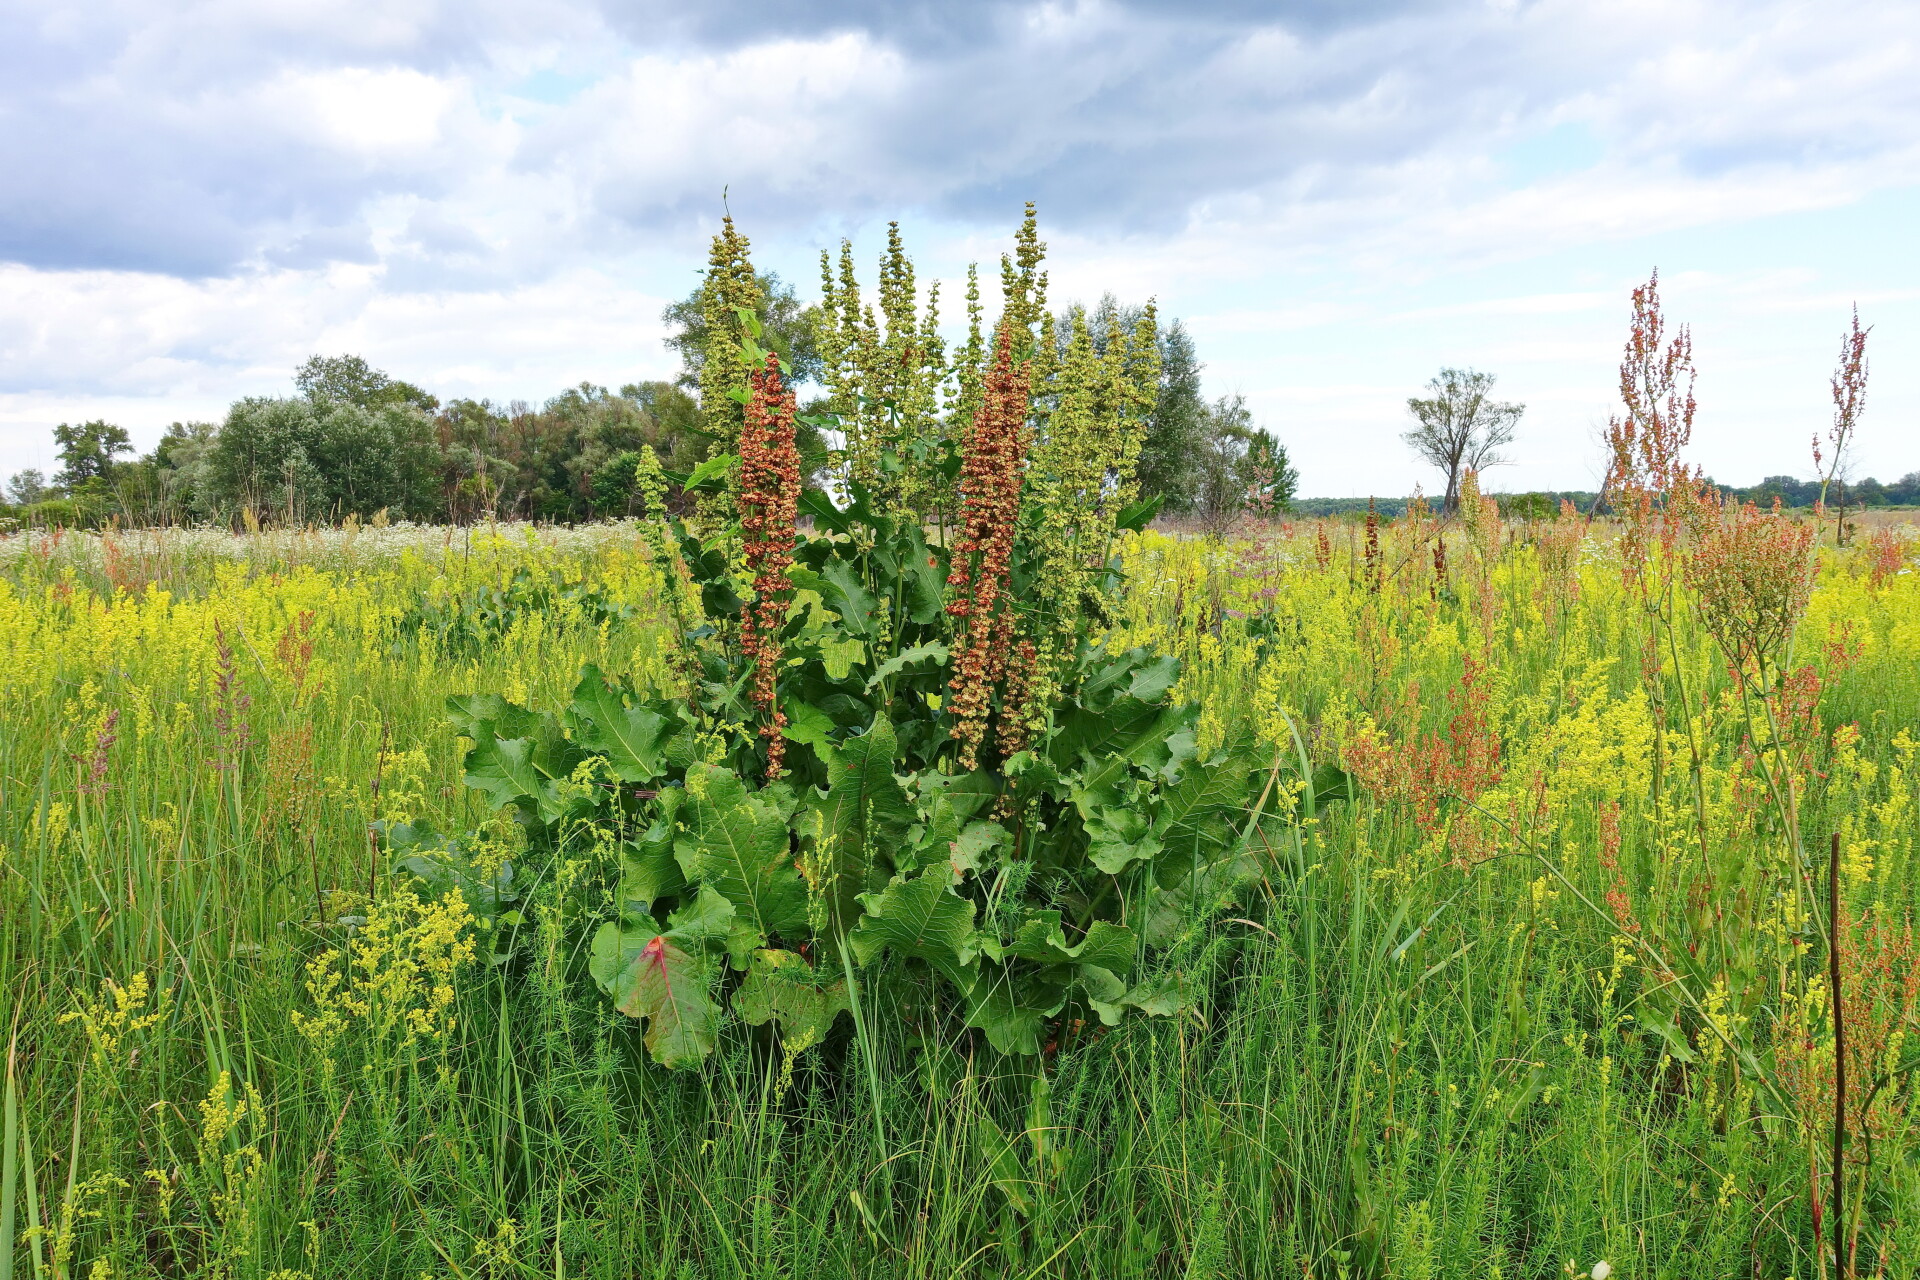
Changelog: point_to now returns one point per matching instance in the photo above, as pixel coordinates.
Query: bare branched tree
(1834, 463)
(1461, 426)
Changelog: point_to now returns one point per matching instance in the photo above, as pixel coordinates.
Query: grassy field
(1545, 985)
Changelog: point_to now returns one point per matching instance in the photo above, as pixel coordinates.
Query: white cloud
(212, 190)
(355, 109)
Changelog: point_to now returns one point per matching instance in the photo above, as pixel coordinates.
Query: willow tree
(1460, 426)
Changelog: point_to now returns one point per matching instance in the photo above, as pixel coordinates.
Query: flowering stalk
(769, 501)
(730, 287)
(651, 481)
(1849, 386)
(883, 374)
(990, 476)
(1373, 548)
(230, 707)
(1840, 1259)
(96, 783)
(1654, 492)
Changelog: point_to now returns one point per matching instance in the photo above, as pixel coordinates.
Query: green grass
(1398, 1068)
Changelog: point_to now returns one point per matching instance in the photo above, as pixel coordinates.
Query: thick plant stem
(1840, 1259)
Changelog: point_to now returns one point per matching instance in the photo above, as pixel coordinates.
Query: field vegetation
(978, 881)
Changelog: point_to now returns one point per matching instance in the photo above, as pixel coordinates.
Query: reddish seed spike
(990, 479)
(769, 503)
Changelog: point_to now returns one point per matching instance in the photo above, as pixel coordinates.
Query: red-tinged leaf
(665, 977)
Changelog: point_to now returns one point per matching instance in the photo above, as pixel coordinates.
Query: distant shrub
(1529, 506)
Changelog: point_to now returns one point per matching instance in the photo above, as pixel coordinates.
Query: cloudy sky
(1338, 196)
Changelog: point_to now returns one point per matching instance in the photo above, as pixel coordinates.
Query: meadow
(1536, 978)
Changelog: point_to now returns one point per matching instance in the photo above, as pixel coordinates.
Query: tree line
(355, 441)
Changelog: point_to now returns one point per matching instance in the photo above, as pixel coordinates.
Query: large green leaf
(1040, 938)
(932, 653)
(923, 919)
(923, 579)
(503, 769)
(1012, 1006)
(808, 724)
(842, 519)
(863, 818)
(840, 591)
(1198, 817)
(706, 475)
(665, 977)
(817, 504)
(781, 986)
(1117, 834)
(488, 715)
(737, 844)
(522, 771)
(1137, 672)
(1139, 513)
(648, 869)
(971, 849)
(712, 569)
(1190, 899)
(634, 740)
(1153, 679)
(969, 793)
(1031, 776)
(1106, 743)
(947, 832)
(1003, 1164)
(1158, 997)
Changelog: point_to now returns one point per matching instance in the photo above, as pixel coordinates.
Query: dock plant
(905, 762)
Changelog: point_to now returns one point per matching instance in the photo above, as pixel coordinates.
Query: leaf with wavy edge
(634, 740)
(737, 844)
(665, 977)
(862, 813)
(783, 987)
(921, 918)
(648, 869)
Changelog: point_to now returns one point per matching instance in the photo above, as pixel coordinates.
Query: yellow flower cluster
(119, 1012)
(228, 1173)
(394, 983)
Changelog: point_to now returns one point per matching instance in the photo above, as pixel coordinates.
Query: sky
(1338, 197)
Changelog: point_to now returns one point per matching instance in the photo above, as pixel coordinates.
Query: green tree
(1272, 480)
(602, 426)
(615, 485)
(380, 458)
(87, 452)
(682, 443)
(28, 487)
(1238, 467)
(788, 324)
(1178, 424)
(1460, 427)
(1171, 451)
(308, 460)
(263, 461)
(554, 453)
(351, 380)
(175, 484)
(476, 476)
